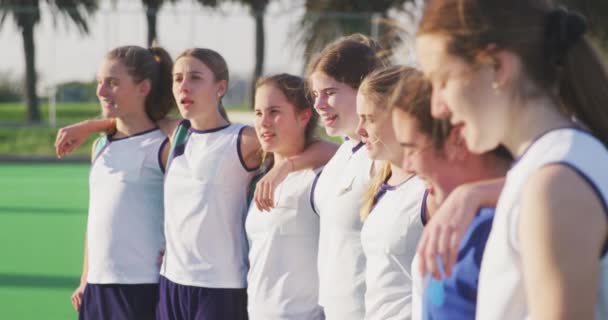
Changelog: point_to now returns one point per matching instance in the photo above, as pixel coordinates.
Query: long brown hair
(348, 59)
(555, 54)
(377, 88)
(154, 65)
(216, 63)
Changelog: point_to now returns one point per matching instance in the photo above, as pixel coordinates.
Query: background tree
(26, 14)
(257, 9)
(324, 21)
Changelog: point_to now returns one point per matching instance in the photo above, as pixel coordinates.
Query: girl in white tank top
(283, 243)
(334, 77)
(393, 202)
(522, 74)
(124, 238)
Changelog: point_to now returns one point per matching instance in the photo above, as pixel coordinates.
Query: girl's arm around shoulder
(316, 155)
(73, 136)
(562, 230)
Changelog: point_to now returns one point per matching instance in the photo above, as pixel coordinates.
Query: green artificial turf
(42, 224)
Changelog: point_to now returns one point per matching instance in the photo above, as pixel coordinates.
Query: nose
(439, 109)
(361, 130)
(183, 86)
(265, 120)
(320, 102)
(102, 90)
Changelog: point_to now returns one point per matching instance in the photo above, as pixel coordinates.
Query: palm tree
(324, 21)
(26, 14)
(257, 9)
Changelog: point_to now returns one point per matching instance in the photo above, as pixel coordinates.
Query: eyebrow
(408, 144)
(190, 72)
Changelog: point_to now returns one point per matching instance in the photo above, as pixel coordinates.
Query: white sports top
(125, 222)
(283, 282)
(205, 205)
(337, 197)
(501, 285)
(389, 236)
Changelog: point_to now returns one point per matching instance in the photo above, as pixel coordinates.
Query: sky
(64, 54)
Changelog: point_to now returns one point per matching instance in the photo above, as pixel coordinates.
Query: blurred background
(49, 53)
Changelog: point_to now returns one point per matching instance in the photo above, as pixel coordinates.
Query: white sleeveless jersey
(389, 236)
(282, 281)
(337, 197)
(501, 285)
(125, 222)
(205, 205)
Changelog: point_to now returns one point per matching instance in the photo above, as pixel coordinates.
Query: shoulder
(557, 199)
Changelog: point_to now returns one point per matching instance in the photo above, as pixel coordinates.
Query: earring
(495, 85)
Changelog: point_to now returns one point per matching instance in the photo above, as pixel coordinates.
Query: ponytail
(583, 88)
(369, 198)
(160, 100)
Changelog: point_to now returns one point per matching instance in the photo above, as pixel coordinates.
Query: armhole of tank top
(312, 192)
(180, 138)
(100, 145)
(595, 189)
(240, 154)
(160, 155)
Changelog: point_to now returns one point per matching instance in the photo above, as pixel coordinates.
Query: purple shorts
(118, 301)
(180, 302)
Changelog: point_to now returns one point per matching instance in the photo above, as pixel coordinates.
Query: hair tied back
(562, 30)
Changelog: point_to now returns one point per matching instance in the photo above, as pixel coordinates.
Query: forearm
(484, 193)
(315, 155)
(85, 263)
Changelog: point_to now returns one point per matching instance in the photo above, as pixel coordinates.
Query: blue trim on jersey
(99, 149)
(357, 147)
(238, 150)
(112, 139)
(460, 290)
(595, 189)
(312, 192)
(423, 209)
(207, 130)
(160, 155)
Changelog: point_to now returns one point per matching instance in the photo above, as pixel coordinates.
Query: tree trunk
(151, 16)
(31, 99)
(260, 40)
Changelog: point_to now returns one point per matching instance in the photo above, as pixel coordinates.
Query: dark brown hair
(216, 63)
(294, 89)
(412, 95)
(555, 55)
(348, 59)
(154, 65)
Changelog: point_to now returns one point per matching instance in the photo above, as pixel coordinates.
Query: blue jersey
(455, 297)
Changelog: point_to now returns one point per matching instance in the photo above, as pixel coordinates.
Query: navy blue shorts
(118, 301)
(180, 302)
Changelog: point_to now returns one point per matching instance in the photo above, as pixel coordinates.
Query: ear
(506, 66)
(455, 147)
(222, 87)
(144, 87)
(304, 117)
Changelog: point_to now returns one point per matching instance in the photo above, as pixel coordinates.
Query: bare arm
(562, 230)
(314, 156)
(71, 137)
(442, 235)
